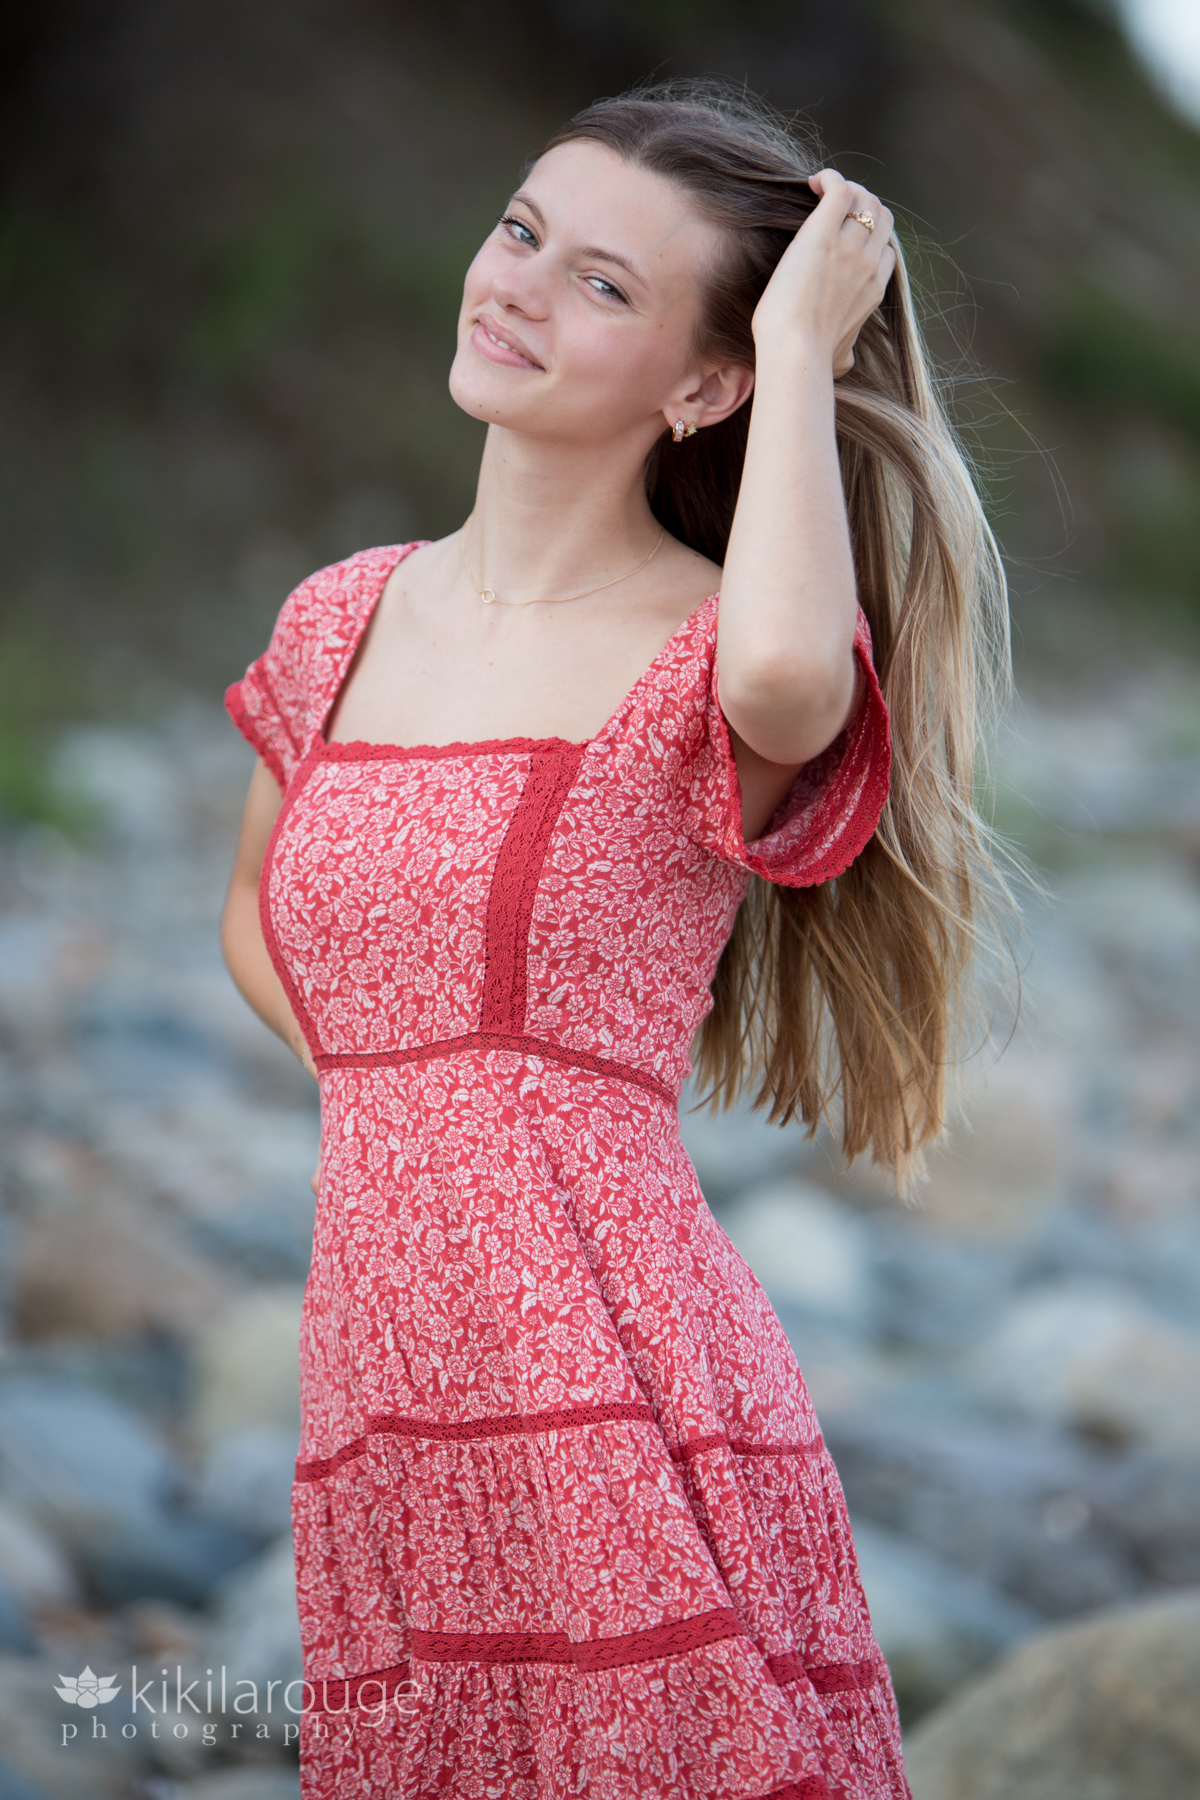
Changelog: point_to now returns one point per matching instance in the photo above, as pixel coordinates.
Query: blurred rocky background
(231, 242)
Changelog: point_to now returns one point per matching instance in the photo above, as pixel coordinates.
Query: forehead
(591, 197)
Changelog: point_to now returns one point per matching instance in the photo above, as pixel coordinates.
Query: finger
(875, 235)
(826, 179)
(830, 186)
(860, 199)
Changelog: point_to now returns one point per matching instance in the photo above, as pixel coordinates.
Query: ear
(705, 398)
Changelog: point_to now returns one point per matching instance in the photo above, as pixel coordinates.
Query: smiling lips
(500, 346)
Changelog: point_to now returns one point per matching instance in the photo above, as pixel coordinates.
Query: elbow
(789, 708)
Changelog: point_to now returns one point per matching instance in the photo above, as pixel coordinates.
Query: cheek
(627, 363)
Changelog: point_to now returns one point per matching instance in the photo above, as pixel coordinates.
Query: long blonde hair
(845, 1001)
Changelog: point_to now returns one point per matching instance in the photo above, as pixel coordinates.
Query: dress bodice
(572, 899)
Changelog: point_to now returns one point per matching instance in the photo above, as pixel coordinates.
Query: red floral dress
(564, 1521)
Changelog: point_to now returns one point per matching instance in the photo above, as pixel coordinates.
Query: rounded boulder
(1104, 1708)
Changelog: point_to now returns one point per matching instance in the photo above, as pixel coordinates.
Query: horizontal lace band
(522, 1042)
(362, 1693)
(495, 1647)
(827, 1678)
(845, 1678)
(467, 1431)
(694, 1447)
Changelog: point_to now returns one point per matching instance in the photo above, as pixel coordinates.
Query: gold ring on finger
(864, 218)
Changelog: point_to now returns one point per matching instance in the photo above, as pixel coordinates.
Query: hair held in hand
(845, 1001)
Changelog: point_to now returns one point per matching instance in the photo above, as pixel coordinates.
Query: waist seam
(525, 1043)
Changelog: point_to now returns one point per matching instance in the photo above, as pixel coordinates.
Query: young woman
(564, 1521)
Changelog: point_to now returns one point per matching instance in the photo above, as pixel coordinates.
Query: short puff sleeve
(832, 808)
(284, 698)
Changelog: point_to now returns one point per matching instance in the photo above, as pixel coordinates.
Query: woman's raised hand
(831, 277)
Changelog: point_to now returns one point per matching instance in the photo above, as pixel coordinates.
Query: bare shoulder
(685, 579)
(424, 573)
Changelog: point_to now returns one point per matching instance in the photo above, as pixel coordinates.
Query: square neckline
(365, 750)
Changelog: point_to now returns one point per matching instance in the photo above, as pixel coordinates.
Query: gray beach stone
(248, 1371)
(1091, 1359)
(1102, 1710)
(935, 1625)
(806, 1249)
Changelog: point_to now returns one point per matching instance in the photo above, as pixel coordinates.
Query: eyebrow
(585, 249)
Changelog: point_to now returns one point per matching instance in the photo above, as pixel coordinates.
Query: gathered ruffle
(526, 1662)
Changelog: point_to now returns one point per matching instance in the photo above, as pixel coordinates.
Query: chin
(481, 396)
(476, 390)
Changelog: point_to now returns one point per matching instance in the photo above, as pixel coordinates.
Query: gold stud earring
(680, 430)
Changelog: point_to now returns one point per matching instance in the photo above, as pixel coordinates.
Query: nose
(521, 287)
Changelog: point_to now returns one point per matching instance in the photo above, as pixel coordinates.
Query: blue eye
(515, 226)
(599, 283)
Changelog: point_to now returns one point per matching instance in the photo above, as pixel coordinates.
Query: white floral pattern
(560, 1486)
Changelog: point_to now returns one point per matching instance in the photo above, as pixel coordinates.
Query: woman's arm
(788, 681)
(246, 954)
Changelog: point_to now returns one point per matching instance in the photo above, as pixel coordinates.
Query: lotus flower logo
(88, 1689)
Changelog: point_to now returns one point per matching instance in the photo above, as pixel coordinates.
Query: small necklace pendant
(488, 596)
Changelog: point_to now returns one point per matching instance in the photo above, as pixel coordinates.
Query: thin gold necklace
(488, 595)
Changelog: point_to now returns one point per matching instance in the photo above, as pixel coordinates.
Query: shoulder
(284, 697)
(664, 713)
(329, 607)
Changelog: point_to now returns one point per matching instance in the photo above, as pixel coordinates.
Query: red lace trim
(347, 1690)
(698, 1446)
(530, 1424)
(358, 750)
(844, 1678)
(514, 887)
(827, 1678)
(494, 1647)
(467, 1431)
(521, 1042)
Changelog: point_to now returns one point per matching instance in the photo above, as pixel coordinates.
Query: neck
(551, 517)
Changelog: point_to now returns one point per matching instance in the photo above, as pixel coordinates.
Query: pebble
(241, 1784)
(247, 1480)
(31, 1720)
(1092, 1360)
(107, 1487)
(805, 1250)
(256, 1627)
(248, 1367)
(32, 1565)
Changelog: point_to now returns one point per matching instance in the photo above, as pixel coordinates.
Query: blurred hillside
(232, 242)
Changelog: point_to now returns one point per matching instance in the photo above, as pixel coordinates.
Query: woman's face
(579, 312)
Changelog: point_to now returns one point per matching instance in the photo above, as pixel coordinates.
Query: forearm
(249, 962)
(788, 600)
